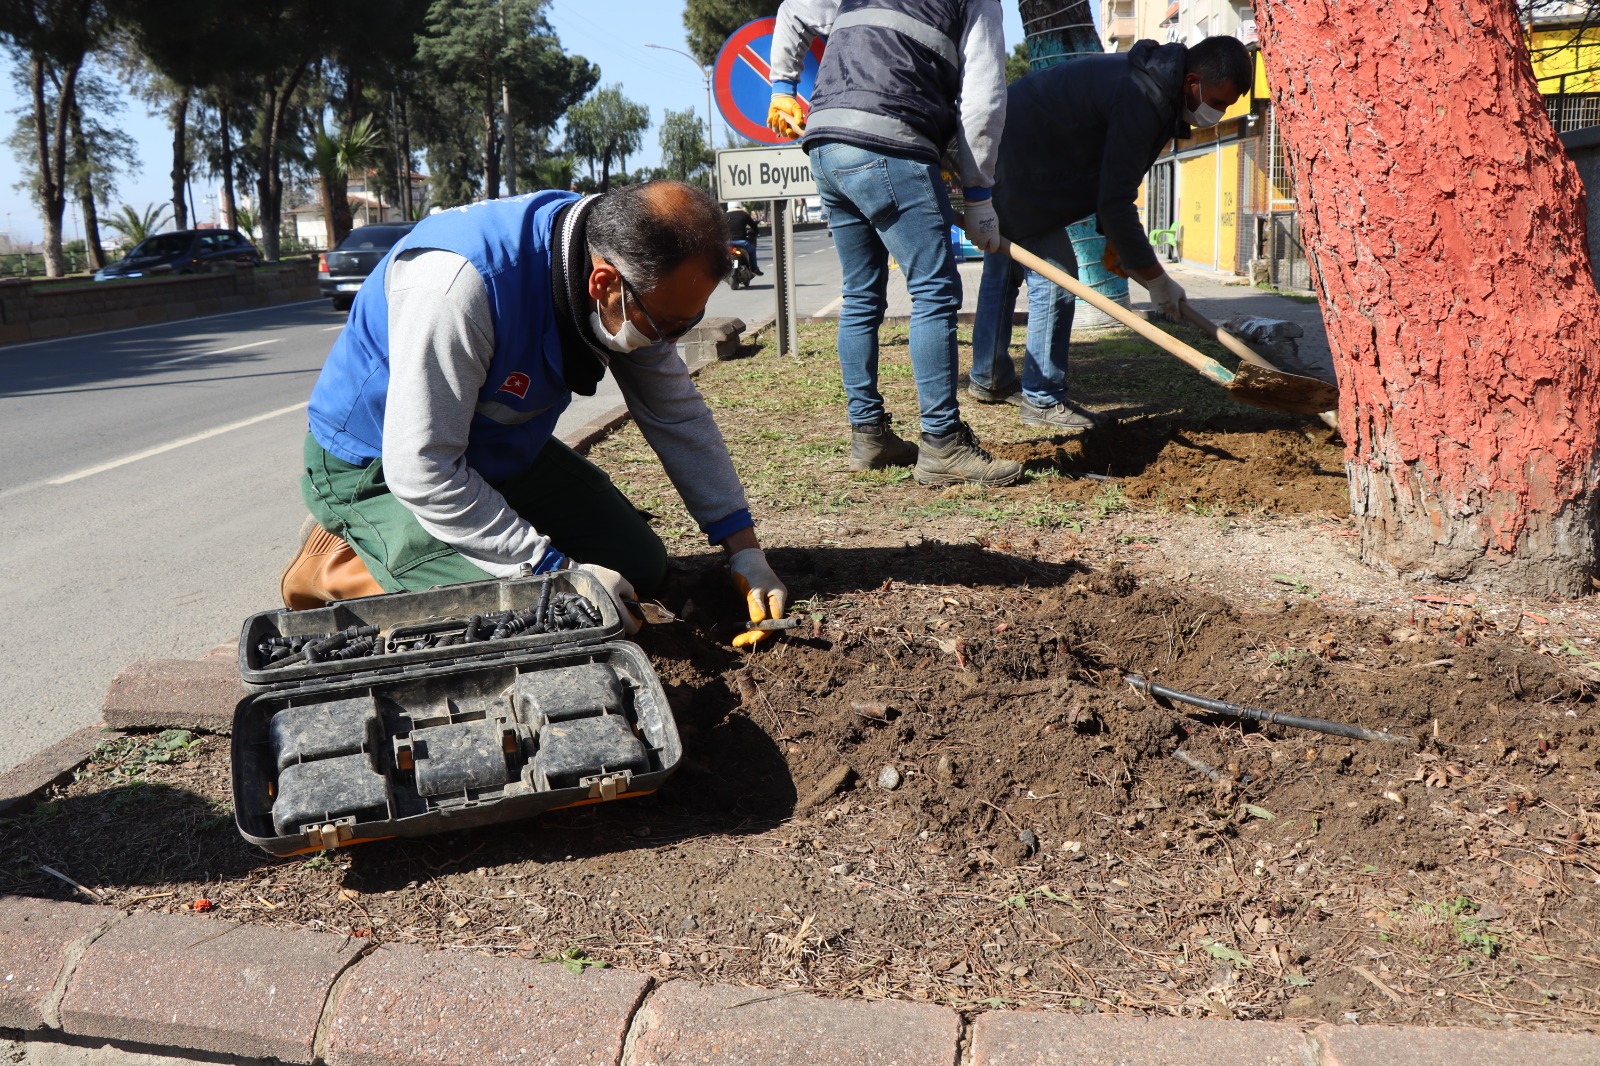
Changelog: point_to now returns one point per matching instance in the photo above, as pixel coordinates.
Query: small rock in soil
(889, 778)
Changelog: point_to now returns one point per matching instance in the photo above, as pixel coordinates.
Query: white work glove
(1166, 294)
(620, 590)
(764, 595)
(982, 225)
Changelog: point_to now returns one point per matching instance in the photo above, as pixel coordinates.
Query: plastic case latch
(330, 835)
(607, 786)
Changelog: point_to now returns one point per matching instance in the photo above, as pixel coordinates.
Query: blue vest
(509, 242)
(890, 78)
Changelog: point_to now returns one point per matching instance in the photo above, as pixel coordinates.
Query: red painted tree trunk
(1446, 230)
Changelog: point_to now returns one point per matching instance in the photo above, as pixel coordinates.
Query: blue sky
(610, 33)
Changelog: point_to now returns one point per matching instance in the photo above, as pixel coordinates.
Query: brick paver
(1385, 1045)
(175, 694)
(206, 984)
(39, 938)
(44, 768)
(1037, 1038)
(405, 1005)
(684, 1022)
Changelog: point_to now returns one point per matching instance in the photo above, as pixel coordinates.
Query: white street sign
(764, 174)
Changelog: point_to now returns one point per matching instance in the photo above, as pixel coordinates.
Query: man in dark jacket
(1079, 138)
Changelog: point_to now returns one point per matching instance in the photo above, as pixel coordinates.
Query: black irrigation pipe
(1234, 710)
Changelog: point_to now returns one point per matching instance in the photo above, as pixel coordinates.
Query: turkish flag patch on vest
(517, 385)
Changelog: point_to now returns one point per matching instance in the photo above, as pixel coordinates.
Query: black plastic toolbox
(416, 740)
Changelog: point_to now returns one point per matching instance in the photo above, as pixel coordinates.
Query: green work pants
(562, 495)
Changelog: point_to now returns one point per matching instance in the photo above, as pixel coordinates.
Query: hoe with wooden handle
(1256, 381)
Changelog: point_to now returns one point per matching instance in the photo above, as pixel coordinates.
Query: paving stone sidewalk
(94, 985)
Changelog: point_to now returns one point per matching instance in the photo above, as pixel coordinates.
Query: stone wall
(41, 310)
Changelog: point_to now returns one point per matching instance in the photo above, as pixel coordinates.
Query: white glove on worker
(982, 225)
(764, 595)
(1166, 294)
(620, 589)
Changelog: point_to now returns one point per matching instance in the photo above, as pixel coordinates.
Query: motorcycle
(743, 270)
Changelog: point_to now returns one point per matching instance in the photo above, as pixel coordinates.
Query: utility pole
(705, 72)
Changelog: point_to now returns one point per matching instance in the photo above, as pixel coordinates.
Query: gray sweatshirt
(983, 74)
(441, 342)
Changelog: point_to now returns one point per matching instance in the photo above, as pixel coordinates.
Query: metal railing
(1575, 103)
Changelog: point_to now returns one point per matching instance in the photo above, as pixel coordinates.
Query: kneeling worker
(431, 451)
(1079, 138)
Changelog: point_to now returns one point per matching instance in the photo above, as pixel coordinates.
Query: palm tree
(358, 148)
(136, 225)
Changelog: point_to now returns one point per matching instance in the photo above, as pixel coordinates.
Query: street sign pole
(788, 328)
(778, 174)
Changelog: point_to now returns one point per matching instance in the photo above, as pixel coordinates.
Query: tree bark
(229, 209)
(1446, 231)
(85, 192)
(269, 179)
(491, 150)
(51, 188)
(178, 116)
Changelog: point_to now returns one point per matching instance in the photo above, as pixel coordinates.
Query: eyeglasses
(662, 336)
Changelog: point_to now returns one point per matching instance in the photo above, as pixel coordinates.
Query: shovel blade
(1282, 391)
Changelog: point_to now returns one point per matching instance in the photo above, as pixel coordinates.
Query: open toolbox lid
(411, 742)
(410, 616)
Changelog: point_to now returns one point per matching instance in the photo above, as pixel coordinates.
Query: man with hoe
(431, 458)
(1080, 136)
(899, 81)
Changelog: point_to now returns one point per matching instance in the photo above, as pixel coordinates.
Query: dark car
(341, 271)
(184, 251)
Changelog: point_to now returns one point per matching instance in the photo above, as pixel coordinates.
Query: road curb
(24, 781)
(192, 987)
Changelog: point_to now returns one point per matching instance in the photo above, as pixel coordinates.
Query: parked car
(184, 251)
(341, 271)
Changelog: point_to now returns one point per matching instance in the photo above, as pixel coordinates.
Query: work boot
(957, 459)
(1011, 393)
(327, 569)
(875, 445)
(1066, 417)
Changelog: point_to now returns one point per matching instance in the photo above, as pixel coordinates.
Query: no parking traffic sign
(743, 79)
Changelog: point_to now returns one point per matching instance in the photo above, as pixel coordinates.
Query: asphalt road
(149, 496)
(816, 281)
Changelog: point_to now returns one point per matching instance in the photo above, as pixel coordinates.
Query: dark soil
(1042, 847)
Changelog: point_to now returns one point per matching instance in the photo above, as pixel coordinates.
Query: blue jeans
(879, 206)
(750, 247)
(1050, 308)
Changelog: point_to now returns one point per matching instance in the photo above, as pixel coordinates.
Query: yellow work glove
(764, 595)
(785, 117)
(1112, 261)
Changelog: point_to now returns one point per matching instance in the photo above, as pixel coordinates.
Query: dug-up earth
(943, 789)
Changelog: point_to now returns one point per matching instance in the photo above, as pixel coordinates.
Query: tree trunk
(491, 151)
(405, 161)
(511, 141)
(1445, 227)
(179, 118)
(85, 192)
(50, 190)
(269, 181)
(229, 209)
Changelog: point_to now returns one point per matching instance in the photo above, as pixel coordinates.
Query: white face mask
(1203, 117)
(627, 339)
